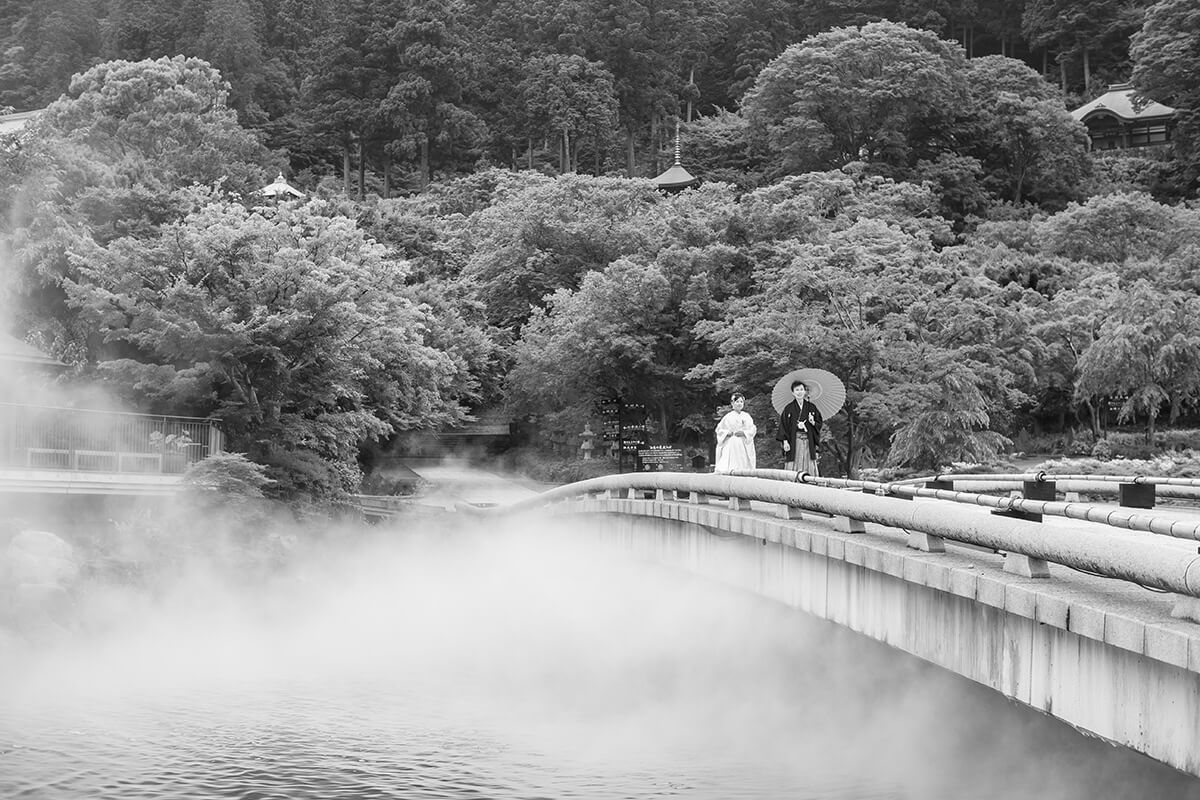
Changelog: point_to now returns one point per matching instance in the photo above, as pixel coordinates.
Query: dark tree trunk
(362, 172)
(424, 161)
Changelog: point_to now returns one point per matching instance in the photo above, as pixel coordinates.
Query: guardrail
(1159, 565)
(1140, 491)
(1027, 508)
(1042, 476)
(84, 440)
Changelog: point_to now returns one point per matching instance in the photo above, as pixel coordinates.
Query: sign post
(625, 425)
(660, 458)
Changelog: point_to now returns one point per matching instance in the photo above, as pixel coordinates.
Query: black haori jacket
(789, 421)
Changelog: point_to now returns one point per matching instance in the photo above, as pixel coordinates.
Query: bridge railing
(1029, 508)
(1029, 546)
(1132, 490)
(73, 439)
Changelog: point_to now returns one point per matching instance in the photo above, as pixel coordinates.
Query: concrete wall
(1102, 655)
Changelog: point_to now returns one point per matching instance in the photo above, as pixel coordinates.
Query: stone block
(927, 542)
(990, 591)
(835, 548)
(937, 574)
(783, 511)
(964, 582)
(803, 539)
(1051, 610)
(854, 552)
(739, 504)
(914, 571)
(1186, 607)
(847, 525)
(1086, 621)
(873, 559)
(1170, 643)
(892, 563)
(1126, 632)
(1026, 566)
(1020, 600)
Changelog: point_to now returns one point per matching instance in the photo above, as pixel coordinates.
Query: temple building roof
(1122, 100)
(280, 188)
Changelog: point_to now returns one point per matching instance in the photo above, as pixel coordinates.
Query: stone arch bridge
(1082, 610)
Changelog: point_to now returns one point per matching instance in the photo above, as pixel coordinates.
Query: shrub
(554, 469)
(1183, 464)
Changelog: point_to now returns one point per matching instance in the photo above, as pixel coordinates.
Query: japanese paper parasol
(825, 390)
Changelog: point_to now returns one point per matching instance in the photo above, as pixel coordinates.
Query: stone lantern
(586, 446)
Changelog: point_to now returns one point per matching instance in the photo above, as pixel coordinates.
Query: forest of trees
(389, 94)
(925, 221)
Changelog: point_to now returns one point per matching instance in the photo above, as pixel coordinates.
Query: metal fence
(47, 437)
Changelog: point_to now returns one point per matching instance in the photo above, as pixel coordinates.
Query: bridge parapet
(1158, 564)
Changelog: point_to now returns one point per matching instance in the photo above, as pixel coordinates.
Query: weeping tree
(1145, 354)
(949, 418)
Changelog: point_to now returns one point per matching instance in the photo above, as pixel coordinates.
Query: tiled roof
(1119, 100)
(676, 177)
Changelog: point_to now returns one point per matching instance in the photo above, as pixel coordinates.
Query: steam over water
(449, 666)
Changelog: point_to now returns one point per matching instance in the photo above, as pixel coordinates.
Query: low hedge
(1183, 464)
(546, 468)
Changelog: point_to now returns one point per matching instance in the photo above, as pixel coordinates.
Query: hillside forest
(894, 191)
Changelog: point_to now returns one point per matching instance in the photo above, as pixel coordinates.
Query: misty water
(448, 665)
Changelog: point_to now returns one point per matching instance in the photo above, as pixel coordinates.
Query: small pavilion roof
(280, 187)
(1122, 101)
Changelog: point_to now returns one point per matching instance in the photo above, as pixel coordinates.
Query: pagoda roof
(676, 177)
(1123, 101)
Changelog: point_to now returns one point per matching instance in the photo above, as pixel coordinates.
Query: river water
(432, 666)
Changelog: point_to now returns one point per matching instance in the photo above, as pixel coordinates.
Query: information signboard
(660, 458)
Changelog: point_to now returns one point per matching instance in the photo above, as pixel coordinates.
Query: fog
(533, 663)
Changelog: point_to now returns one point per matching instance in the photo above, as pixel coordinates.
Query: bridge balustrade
(942, 488)
(82, 440)
(1029, 545)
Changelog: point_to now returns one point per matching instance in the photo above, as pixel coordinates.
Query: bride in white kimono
(735, 438)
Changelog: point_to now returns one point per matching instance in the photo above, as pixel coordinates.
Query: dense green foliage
(928, 226)
(404, 91)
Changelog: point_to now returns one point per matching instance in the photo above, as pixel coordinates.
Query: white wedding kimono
(735, 452)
